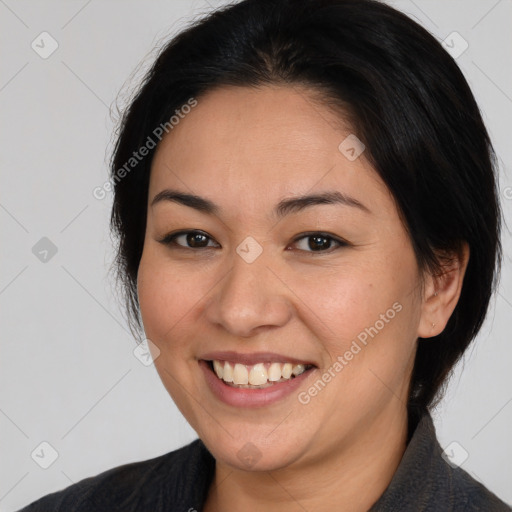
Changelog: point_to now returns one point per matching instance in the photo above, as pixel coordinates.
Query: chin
(252, 457)
(252, 449)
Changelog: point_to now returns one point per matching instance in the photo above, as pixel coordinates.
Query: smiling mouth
(256, 376)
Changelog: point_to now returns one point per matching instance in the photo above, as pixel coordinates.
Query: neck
(354, 475)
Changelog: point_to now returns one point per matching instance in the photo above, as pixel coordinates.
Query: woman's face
(266, 283)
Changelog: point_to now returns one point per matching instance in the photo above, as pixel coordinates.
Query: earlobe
(442, 292)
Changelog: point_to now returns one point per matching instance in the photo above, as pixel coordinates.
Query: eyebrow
(197, 202)
(295, 204)
(283, 208)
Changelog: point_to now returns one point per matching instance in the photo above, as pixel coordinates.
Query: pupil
(318, 242)
(195, 239)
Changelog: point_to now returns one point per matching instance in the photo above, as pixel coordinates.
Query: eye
(318, 242)
(189, 240)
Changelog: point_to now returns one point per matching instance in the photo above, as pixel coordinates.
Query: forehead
(253, 145)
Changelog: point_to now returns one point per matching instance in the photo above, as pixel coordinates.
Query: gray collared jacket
(179, 481)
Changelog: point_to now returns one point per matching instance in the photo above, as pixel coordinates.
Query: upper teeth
(256, 375)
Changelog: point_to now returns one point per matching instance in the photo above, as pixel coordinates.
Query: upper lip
(253, 358)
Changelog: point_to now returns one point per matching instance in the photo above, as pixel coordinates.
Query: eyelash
(170, 241)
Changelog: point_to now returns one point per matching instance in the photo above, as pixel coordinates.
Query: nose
(251, 298)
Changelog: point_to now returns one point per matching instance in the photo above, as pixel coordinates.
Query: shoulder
(427, 480)
(470, 495)
(456, 487)
(147, 485)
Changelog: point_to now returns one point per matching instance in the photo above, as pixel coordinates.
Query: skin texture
(246, 149)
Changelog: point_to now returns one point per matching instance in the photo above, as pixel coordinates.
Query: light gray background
(68, 373)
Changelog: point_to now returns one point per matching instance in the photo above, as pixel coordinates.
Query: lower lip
(250, 397)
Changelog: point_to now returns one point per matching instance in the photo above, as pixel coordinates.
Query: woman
(308, 229)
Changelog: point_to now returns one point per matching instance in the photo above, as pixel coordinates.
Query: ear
(441, 293)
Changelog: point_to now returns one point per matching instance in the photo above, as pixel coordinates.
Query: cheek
(370, 346)
(168, 306)
(167, 297)
(371, 305)
(345, 301)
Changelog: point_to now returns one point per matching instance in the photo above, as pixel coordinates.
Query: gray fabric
(425, 482)
(179, 481)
